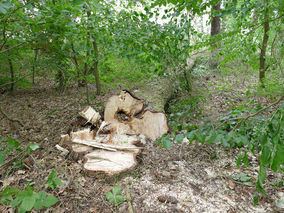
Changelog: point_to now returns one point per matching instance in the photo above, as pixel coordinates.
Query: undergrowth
(243, 126)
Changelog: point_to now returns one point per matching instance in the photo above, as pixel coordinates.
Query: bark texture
(215, 30)
(262, 67)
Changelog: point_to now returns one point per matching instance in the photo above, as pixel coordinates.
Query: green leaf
(265, 155)
(2, 157)
(262, 173)
(241, 177)
(110, 197)
(116, 190)
(50, 201)
(27, 203)
(58, 182)
(239, 160)
(179, 138)
(4, 7)
(245, 159)
(260, 188)
(278, 158)
(15, 203)
(38, 205)
(51, 176)
(211, 137)
(190, 136)
(39, 201)
(12, 143)
(32, 147)
(255, 199)
(119, 199)
(263, 139)
(115, 198)
(166, 142)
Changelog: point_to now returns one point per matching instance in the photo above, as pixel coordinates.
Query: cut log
(91, 115)
(111, 146)
(126, 114)
(109, 162)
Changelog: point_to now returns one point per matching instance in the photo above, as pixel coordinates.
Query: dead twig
(242, 119)
(10, 119)
(6, 164)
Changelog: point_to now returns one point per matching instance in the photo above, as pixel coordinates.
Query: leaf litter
(184, 178)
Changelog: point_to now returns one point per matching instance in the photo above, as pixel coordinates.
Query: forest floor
(184, 178)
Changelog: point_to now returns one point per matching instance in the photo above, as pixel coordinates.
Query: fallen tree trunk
(111, 146)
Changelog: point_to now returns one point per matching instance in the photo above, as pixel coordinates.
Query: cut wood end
(124, 103)
(109, 162)
(121, 112)
(91, 115)
(84, 134)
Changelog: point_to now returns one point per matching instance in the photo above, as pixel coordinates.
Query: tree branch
(10, 119)
(249, 116)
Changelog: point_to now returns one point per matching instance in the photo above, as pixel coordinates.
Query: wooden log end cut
(109, 162)
(126, 114)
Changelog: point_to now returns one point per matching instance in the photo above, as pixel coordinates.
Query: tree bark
(96, 72)
(79, 82)
(215, 30)
(85, 76)
(34, 65)
(156, 94)
(262, 56)
(11, 70)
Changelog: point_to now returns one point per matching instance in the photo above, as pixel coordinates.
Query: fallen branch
(10, 119)
(12, 82)
(249, 116)
(109, 147)
(7, 163)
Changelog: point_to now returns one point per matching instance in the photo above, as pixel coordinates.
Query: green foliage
(259, 135)
(26, 200)
(53, 181)
(9, 145)
(164, 142)
(184, 111)
(244, 178)
(114, 196)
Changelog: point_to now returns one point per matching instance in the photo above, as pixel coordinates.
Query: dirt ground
(182, 179)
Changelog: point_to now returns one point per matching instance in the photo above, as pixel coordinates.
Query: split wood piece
(84, 134)
(126, 115)
(91, 115)
(105, 128)
(121, 139)
(109, 147)
(109, 162)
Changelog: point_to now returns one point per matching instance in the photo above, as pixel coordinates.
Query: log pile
(111, 146)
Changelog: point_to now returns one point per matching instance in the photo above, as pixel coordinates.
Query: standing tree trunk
(96, 72)
(85, 76)
(11, 70)
(215, 30)
(79, 82)
(34, 65)
(262, 67)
